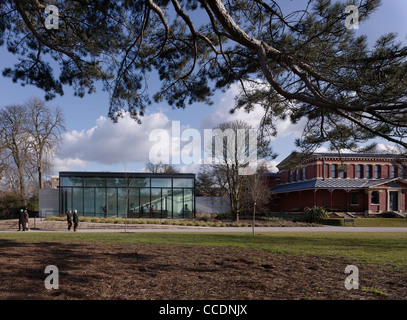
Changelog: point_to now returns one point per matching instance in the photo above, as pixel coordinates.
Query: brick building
(358, 183)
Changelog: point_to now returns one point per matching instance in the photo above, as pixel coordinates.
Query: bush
(338, 222)
(315, 214)
(223, 216)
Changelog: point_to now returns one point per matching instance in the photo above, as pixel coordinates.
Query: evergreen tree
(303, 64)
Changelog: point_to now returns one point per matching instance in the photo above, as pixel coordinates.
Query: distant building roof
(271, 174)
(332, 184)
(321, 155)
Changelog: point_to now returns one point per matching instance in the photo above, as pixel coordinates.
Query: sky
(93, 142)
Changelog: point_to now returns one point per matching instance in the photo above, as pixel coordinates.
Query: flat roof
(109, 174)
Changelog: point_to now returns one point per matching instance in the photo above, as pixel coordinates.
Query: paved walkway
(158, 228)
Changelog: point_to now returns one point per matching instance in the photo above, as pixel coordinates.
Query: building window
(375, 197)
(369, 171)
(303, 173)
(377, 171)
(334, 171)
(359, 171)
(290, 176)
(342, 174)
(354, 197)
(296, 175)
(121, 196)
(393, 171)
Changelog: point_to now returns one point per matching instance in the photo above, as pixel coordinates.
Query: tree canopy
(302, 64)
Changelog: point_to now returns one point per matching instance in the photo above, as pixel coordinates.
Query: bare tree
(15, 144)
(29, 134)
(45, 129)
(160, 167)
(233, 149)
(256, 191)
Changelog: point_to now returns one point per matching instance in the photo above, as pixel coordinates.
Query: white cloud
(107, 144)
(227, 102)
(111, 143)
(383, 148)
(68, 164)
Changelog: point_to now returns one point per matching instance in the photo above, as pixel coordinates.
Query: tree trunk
(40, 179)
(22, 188)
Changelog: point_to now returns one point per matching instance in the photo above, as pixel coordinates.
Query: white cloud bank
(125, 142)
(227, 102)
(109, 143)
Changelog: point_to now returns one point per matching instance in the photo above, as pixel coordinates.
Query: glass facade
(132, 195)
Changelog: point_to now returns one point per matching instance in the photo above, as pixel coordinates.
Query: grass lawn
(368, 222)
(272, 222)
(378, 248)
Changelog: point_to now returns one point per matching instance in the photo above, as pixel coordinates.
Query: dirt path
(92, 271)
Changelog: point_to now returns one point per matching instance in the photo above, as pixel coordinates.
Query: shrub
(315, 214)
(223, 216)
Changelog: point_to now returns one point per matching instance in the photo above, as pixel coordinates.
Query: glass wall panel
(156, 203)
(100, 202)
(144, 202)
(114, 196)
(166, 203)
(71, 181)
(188, 203)
(178, 203)
(89, 202)
(139, 182)
(161, 182)
(122, 202)
(111, 202)
(77, 200)
(66, 200)
(94, 182)
(116, 182)
(134, 201)
(183, 183)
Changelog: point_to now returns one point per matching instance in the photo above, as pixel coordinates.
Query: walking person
(21, 220)
(26, 220)
(69, 219)
(75, 220)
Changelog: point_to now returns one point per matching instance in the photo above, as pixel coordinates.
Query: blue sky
(94, 143)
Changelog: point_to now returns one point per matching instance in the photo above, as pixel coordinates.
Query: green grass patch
(278, 222)
(374, 290)
(367, 222)
(378, 248)
(270, 222)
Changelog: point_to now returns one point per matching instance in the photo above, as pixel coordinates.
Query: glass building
(139, 195)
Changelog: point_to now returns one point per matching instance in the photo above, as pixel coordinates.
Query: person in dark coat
(26, 220)
(69, 219)
(75, 220)
(21, 220)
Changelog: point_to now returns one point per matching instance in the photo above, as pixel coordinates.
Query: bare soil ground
(98, 272)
